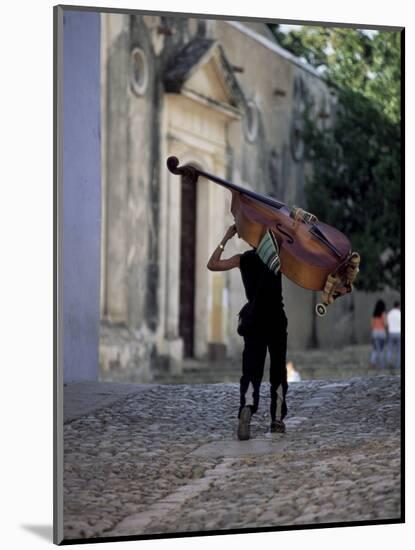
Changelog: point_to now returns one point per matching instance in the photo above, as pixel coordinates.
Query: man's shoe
(277, 426)
(244, 424)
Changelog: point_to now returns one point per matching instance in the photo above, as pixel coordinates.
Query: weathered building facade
(223, 96)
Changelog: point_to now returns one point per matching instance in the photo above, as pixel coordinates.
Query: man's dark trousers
(273, 338)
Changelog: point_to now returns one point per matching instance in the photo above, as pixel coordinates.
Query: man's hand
(230, 232)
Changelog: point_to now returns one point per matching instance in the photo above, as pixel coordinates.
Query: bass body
(308, 252)
(314, 255)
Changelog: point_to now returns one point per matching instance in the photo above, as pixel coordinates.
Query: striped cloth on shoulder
(268, 251)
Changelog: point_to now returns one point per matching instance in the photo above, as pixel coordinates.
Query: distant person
(394, 335)
(378, 324)
(292, 374)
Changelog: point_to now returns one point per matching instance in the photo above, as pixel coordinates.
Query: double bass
(312, 254)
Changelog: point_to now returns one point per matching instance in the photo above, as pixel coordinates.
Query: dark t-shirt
(262, 285)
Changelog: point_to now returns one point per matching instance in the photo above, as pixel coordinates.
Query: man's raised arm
(215, 263)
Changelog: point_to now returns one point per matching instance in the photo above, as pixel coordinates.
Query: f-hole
(187, 264)
(290, 240)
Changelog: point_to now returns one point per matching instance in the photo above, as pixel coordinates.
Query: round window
(139, 71)
(251, 121)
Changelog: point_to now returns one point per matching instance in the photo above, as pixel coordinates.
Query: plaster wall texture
(81, 195)
(129, 205)
(115, 158)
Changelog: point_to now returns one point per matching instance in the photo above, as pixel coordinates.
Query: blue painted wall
(81, 195)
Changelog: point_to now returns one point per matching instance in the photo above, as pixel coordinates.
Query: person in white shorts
(394, 335)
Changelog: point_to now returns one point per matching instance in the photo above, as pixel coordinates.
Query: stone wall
(131, 152)
(261, 150)
(267, 156)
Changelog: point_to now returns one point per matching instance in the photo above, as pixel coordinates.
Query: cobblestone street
(165, 458)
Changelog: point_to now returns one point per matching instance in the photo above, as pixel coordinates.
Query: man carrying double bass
(263, 325)
(319, 258)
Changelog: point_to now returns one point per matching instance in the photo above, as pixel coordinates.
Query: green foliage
(352, 59)
(356, 161)
(356, 185)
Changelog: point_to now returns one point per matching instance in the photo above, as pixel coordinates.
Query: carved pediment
(202, 72)
(208, 82)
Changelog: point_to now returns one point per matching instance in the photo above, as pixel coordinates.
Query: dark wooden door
(187, 265)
